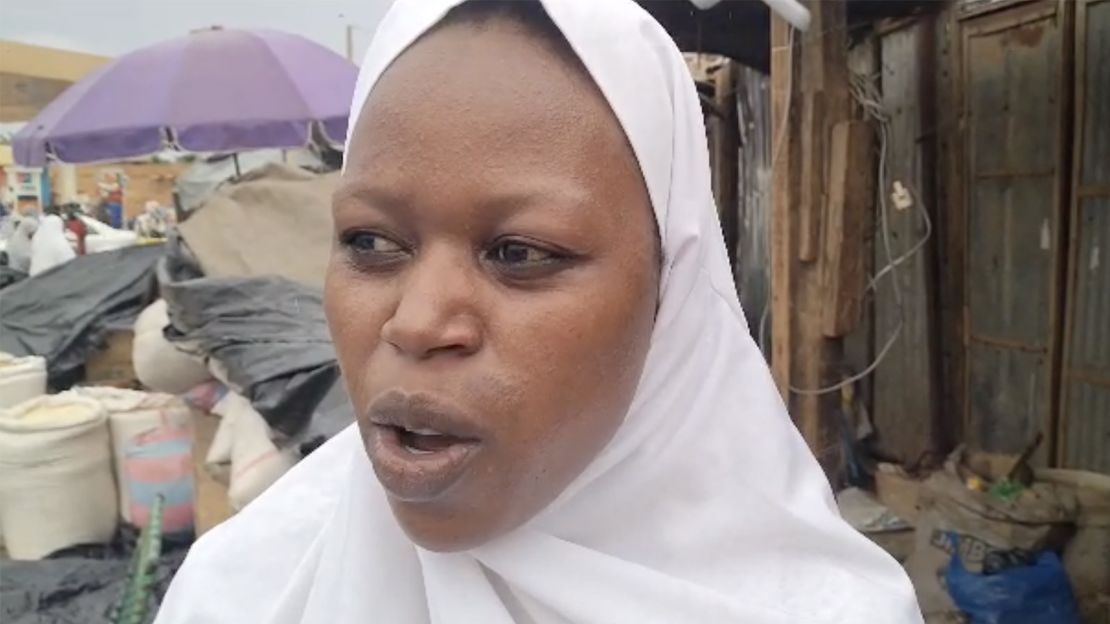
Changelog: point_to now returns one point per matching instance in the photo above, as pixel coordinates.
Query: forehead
(495, 94)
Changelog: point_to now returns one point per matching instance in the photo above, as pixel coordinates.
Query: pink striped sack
(160, 461)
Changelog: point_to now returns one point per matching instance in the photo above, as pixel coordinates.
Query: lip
(419, 477)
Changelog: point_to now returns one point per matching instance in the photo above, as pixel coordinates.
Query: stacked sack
(243, 439)
(152, 446)
(56, 485)
(158, 364)
(21, 379)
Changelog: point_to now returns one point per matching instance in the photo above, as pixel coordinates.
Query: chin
(438, 528)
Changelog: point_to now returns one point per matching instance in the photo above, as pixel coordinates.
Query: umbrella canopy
(211, 91)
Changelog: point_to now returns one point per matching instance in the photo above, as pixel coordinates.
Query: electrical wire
(867, 95)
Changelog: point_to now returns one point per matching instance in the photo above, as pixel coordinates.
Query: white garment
(19, 244)
(705, 507)
(49, 247)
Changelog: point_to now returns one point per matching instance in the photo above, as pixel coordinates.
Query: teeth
(424, 431)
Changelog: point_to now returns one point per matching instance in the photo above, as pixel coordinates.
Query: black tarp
(331, 416)
(9, 276)
(62, 314)
(82, 584)
(72, 590)
(269, 333)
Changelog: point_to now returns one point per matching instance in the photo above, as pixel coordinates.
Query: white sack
(158, 364)
(130, 415)
(256, 463)
(21, 379)
(56, 486)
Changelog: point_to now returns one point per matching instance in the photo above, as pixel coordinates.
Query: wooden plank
(813, 179)
(859, 344)
(818, 361)
(784, 150)
(951, 230)
(813, 361)
(851, 191)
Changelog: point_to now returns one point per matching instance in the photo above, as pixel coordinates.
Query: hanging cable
(867, 95)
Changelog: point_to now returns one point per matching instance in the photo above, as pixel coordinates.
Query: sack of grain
(985, 526)
(56, 485)
(1087, 556)
(158, 364)
(152, 454)
(21, 379)
(256, 463)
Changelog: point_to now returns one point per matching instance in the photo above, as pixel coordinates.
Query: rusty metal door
(1084, 440)
(1014, 96)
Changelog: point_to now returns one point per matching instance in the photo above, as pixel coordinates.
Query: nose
(436, 312)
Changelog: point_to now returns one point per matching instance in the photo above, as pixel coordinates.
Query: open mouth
(419, 448)
(426, 441)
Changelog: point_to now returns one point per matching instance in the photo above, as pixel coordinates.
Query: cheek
(583, 353)
(356, 309)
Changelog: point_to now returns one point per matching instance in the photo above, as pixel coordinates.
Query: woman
(562, 417)
(19, 245)
(49, 247)
(77, 227)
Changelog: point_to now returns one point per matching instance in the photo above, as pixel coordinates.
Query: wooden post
(811, 76)
(851, 189)
(813, 183)
(784, 148)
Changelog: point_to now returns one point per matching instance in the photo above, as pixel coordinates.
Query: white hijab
(49, 247)
(705, 507)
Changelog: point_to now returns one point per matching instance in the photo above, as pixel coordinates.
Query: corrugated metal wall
(906, 392)
(1014, 86)
(1085, 409)
(753, 247)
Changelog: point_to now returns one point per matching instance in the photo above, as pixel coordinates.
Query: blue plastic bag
(1034, 594)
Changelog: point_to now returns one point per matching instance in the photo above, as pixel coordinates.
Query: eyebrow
(504, 203)
(369, 196)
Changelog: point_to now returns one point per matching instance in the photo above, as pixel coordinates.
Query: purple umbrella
(212, 91)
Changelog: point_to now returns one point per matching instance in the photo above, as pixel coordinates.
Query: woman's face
(492, 289)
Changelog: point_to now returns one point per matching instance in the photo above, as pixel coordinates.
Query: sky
(113, 27)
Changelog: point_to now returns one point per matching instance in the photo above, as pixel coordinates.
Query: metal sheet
(905, 391)
(1011, 258)
(978, 6)
(753, 253)
(1090, 348)
(1014, 102)
(1096, 140)
(1009, 391)
(1088, 435)
(1085, 414)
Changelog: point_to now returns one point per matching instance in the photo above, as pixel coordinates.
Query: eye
(523, 260)
(367, 243)
(372, 251)
(515, 253)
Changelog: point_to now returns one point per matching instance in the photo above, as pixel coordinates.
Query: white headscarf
(49, 247)
(705, 507)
